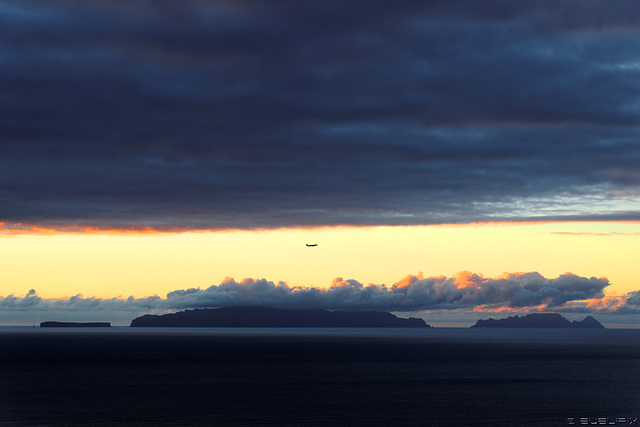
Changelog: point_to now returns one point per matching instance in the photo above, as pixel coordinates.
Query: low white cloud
(465, 292)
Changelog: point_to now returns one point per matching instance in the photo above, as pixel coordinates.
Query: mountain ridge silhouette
(265, 317)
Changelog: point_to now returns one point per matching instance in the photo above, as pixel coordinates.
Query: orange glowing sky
(109, 263)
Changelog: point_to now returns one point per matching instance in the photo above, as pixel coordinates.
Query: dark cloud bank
(253, 114)
(467, 293)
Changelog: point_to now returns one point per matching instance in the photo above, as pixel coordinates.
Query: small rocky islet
(539, 320)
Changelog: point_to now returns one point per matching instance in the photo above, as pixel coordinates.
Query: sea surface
(317, 377)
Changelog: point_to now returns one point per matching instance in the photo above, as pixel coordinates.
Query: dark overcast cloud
(283, 113)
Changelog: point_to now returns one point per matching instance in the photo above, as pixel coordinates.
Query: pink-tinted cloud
(624, 304)
(466, 292)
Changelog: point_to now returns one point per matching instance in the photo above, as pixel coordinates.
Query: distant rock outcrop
(53, 324)
(263, 317)
(587, 322)
(538, 320)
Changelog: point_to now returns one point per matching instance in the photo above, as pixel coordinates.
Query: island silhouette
(54, 324)
(264, 317)
(538, 320)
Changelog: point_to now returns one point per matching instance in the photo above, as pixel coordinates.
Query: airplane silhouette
(315, 244)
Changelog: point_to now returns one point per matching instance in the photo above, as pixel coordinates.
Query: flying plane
(315, 244)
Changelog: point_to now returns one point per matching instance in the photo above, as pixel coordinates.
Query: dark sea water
(359, 377)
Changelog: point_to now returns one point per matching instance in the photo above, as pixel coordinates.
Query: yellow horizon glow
(117, 263)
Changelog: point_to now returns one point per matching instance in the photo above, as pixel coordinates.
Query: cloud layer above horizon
(215, 114)
(467, 292)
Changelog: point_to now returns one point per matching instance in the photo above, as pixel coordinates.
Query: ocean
(318, 377)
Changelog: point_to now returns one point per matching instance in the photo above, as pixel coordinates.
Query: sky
(453, 160)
